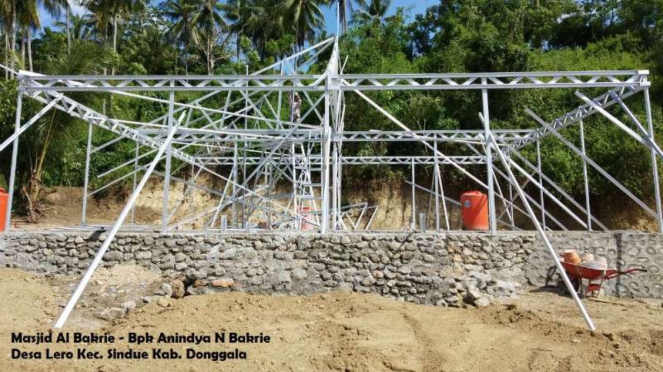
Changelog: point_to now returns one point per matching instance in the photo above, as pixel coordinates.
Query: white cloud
(77, 8)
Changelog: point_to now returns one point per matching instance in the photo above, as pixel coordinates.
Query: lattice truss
(267, 148)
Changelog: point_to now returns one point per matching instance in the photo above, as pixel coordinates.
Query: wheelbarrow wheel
(575, 283)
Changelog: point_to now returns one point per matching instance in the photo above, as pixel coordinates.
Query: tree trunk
(6, 53)
(68, 28)
(13, 31)
(29, 48)
(186, 58)
(114, 39)
(23, 47)
(210, 57)
(33, 191)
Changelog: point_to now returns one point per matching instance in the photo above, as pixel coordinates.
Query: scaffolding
(274, 140)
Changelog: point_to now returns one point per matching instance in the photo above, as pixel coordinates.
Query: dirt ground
(337, 331)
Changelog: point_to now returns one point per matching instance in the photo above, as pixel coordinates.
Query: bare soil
(339, 331)
(63, 206)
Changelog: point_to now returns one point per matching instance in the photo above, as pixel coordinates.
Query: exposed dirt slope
(354, 332)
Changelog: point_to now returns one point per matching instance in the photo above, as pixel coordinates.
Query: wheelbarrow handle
(625, 272)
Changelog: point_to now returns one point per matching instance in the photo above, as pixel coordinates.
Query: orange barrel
(305, 225)
(4, 199)
(474, 210)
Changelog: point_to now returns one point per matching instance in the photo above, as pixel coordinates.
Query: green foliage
(204, 36)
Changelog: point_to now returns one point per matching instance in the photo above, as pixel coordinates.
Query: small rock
(178, 288)
(609, 335)
(223, 283)
(167, 290)
(482, 302)
(128, 306)
(147, 299)
(163, 302)
(575, 341)
(111, 313)
(299, 274)
(473, 293)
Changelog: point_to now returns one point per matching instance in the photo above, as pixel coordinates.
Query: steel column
(654, 162)
(87, 174)
(414, 209)
(12, 171)
(166, 179)
(326, 142)
(489, 164)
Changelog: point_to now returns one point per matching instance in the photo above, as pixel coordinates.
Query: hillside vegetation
(125, 37)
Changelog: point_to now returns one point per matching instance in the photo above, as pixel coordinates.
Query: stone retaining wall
(432, 268)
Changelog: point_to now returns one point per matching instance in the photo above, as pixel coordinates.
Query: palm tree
(108, 12)
(54, 7)
(28, 20)
(208, 27)
(84, 58)
(375, 12)
(346, 10)
(7, 20)
(181, 13)
(305, 18)
(259, 20)
(79, 27)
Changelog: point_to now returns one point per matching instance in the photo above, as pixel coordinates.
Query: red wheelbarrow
(595, 277)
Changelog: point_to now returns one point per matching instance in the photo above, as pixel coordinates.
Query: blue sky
(330, 14)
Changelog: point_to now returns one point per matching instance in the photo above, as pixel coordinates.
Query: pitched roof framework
(284, 125)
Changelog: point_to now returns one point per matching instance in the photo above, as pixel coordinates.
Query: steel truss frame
(274, 140)
(243, 131)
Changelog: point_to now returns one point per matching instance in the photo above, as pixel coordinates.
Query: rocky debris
(477, 298)
(128, 306)
(162, 302)
(223, 283)
(178, 289)
(111, 313)
(166, 290)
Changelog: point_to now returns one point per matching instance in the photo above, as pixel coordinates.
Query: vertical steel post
(436, 187)
(654, 162)
(87, 173)
(169, 152)
(295, 205)
(513, 222)
(339, 185)
(12, 171)
(489, 160)
(133, 185)
(538, 167)
(334, 184)
(584, 175)
(414, 208)
(244, 180)
(326, 139)
(234, 201)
